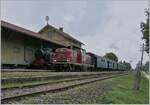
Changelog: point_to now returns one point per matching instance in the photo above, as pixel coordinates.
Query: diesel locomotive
(71, 60)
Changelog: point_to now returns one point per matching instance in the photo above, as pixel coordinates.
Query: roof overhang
(25, 32)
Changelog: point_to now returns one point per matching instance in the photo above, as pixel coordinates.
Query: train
(68, 59)
(43, 59)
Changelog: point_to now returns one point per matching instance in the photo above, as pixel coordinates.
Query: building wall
(57, 37)
(15, 51)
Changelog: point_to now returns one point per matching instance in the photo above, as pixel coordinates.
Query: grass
(123, 92)
(42, 73)
(23, 74)
(24, 84)
(35, 83)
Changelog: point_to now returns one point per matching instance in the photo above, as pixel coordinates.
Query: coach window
(103, 60)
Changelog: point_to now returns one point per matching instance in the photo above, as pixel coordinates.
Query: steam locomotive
(43, 59)
(67, 59)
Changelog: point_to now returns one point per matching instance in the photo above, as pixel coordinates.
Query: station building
(19, 44)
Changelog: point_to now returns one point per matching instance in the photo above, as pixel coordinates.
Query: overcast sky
(102, 25)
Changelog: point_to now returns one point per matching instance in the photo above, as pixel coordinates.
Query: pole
(142, 56)
(138, 73)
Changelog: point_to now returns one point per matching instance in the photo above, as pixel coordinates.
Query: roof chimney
(61, 29)
(47, 19)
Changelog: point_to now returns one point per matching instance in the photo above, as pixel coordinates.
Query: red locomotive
(70, 60)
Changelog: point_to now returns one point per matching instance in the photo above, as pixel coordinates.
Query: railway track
(11, 94)
(60, 78)
(59, 81)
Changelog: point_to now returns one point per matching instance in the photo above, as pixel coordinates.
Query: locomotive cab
(43, 59)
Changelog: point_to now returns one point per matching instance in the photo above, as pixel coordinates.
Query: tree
(120, 62)
(145, 31)
(111, 56)
(127, 64)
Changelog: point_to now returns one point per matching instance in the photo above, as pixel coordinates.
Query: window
(102, 60)
(49, 34)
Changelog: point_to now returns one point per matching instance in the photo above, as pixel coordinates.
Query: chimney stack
(47, 19)
(61, 29)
